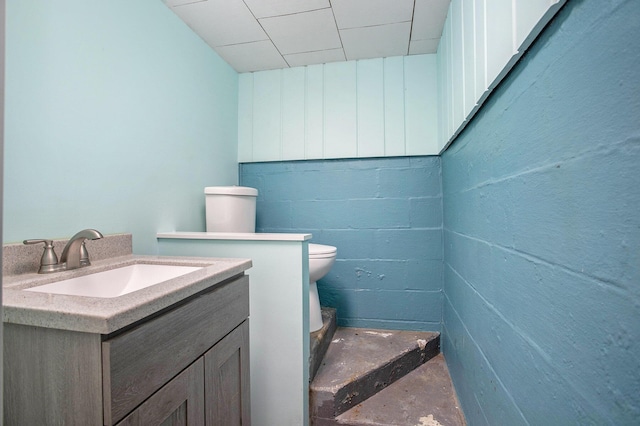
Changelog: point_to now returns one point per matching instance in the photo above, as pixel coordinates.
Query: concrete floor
(424, 397)
(383, 377)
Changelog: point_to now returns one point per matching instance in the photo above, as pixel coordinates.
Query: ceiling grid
(255, 35)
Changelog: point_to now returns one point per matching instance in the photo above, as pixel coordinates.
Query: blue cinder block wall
(385, 218)
(541, 198)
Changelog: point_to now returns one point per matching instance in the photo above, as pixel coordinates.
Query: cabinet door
(178, 403)
(226, 368)
(140, 361)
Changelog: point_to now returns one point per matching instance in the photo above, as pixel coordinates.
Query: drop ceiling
(254, 35)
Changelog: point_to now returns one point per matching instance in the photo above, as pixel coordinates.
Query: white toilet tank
(230, 208)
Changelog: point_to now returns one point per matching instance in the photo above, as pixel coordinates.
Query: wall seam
(608, 285)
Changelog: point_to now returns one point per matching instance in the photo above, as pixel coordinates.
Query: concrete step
(320, 340)
(424, 397)
(361, 362)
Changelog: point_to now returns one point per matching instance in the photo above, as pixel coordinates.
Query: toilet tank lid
(231, 190)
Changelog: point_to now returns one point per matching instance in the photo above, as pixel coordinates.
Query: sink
(115, 282)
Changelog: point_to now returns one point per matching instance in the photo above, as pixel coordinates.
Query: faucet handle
(49, 260)
(46, 242)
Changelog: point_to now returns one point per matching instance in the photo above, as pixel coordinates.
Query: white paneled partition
(366, 108)
(405, 105)
(278, 312)
(480, 43)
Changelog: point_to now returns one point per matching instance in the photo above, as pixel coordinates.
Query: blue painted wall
(117, 117)
(541, 198)
(385, 218)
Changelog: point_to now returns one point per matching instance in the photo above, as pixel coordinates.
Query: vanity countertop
(106, 315)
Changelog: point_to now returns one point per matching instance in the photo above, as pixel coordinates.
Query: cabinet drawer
(141, 360)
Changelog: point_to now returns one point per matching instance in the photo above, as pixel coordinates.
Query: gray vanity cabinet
(185, 365)
(220, 374)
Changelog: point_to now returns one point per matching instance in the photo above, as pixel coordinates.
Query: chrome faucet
(75, 253)
(73, 256)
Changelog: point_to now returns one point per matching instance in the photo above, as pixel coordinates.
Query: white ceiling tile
(364, 13)
(247, 57)
(221, 22)
(428, 19)
(264, 9)
(319, 57)
(303, 32)
(417, 47)
(376, 42)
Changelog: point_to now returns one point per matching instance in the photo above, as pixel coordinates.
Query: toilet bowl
(321, 259)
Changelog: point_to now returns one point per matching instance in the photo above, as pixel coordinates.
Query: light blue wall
(117, 117)
(541, 198)
(385, 218)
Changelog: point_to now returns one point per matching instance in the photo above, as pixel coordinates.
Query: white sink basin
(115, 282)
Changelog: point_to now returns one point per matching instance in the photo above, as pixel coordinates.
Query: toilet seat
(321, 251)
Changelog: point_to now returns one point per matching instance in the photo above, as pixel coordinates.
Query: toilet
(321, 259)
(233, 209)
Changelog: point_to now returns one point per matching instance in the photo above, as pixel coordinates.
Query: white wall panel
(448, 106)
(411, 105)
(443, 86)
(370, 98)
(531, 17)
(293, 100)
(245, 118)
(528, 14)
(267, 124)
(481, 49)
(394, 106)
(366, 108)
(314, 112)
(500, 37)
(469, 58)
(457, 66)
(340, 113)
(480, 43)
(421, 104)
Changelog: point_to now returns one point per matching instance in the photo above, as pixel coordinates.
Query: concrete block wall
(542, 232)
(385, 218)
